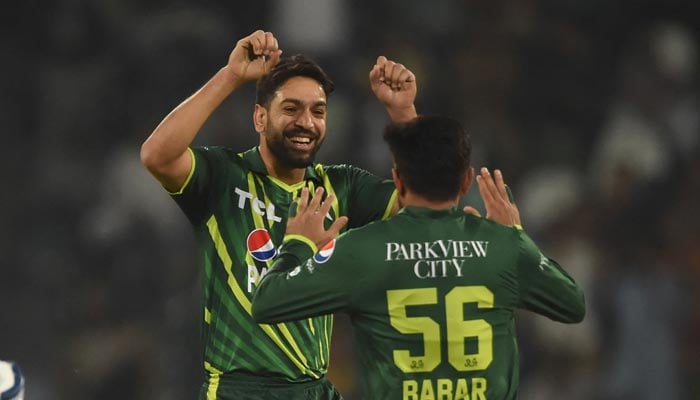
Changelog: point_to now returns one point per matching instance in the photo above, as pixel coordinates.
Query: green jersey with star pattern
(239, 214)
(431, 296)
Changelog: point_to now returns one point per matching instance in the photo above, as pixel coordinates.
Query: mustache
(299, 130)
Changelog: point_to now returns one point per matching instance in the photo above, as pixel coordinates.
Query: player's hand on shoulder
(394, 85)
(254, 56)
(499, 203)
(307, 219)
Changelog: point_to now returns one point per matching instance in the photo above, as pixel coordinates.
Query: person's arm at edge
(165, 153)
(280, 296)
(545, 287)
(271, 307)
(395, 87)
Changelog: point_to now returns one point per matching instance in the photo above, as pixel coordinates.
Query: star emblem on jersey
(260, 245)
(325, 253)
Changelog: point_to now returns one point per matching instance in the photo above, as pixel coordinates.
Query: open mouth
(298, 142)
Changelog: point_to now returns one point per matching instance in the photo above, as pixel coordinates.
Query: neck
(412, 199)
(283, 173)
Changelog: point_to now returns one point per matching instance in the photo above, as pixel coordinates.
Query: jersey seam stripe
(312, 189)
(240, 296)
(245, 357)
(219, 345)
(289, 188)
(221, 250)
(329, 187)
(257, 218)
(328, 328)
(260, 223)
(312, 328)
(390, 206)
(213, 381)
(311, 186)
(189, 175)
(336, 210)
(518, 282)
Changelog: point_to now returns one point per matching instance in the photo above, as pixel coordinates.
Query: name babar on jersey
(437, 259)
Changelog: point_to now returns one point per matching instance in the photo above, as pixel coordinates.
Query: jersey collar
(430, 212)
(255, 163)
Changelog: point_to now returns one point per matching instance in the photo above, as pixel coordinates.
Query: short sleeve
(370, 197)
(204, 186)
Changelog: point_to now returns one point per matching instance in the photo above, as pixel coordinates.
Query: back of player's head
(431, 155)
(289, 67)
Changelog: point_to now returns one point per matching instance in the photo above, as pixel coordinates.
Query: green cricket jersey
(431, 296)
(239, 216)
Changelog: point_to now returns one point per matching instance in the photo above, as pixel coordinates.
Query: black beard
(287, 156)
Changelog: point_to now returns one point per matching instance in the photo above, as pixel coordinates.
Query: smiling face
(293, 126)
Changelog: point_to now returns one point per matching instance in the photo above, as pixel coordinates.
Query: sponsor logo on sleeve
(325, 253)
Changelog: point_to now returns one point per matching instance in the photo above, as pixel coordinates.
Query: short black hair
(431, 154)
(289, 67)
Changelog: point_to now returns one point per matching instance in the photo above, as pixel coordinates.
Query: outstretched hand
(395, 87)
(309, 216)
(499, 204)
(254, 56)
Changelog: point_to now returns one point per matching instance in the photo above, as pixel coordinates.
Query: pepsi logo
(260, 245)
(325, 253)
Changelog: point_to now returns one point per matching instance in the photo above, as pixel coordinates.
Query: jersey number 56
(458, 329)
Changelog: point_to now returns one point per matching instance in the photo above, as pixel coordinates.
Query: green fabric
(229, 196)
(244, 388)
(431, 296)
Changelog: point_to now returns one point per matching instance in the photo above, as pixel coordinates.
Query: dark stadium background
(590, 107)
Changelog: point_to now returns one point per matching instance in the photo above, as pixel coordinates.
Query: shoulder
(334, 167)
(223, 151)
(338, 175)
(340, 170)
(215, 151)
(218, 155)
(515, 238)
(332, 171)
(494, 228)
(375, 232)
(359, 248)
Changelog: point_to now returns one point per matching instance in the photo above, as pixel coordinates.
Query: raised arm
(165, 153)
(395, 87)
